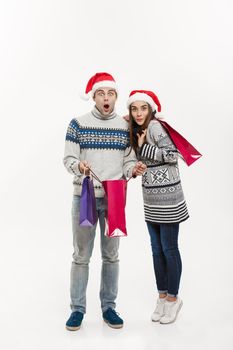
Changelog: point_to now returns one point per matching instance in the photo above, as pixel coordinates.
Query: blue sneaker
(111, 317)
(75, 321)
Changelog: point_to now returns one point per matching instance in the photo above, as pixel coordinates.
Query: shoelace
(75, 316)
(167, 310)
(113, 313)
(159, 307)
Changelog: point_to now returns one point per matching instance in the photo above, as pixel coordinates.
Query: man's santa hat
(99, 80)
(147, 96)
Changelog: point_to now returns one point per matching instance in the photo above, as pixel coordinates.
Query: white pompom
(159, 116)
(84, 96)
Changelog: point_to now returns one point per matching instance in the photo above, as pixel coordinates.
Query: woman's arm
(163, 150)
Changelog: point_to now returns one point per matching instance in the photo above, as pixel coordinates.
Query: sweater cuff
(129, 173)
(74, 167)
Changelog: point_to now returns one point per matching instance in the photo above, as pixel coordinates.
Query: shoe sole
(73, 328)
(116, 326)
(155, 320)
(178, 310)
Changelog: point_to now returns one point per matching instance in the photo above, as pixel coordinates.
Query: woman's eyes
(142, 109)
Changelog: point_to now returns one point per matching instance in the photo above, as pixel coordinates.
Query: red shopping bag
(115, 192)
(188, 151)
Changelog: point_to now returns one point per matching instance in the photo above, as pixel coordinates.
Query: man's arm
(72, 149)
(131, 167)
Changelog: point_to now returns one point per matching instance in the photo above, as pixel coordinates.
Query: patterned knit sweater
(103, 141)
(163, 196)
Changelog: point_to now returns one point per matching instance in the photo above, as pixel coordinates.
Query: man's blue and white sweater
(103, 141)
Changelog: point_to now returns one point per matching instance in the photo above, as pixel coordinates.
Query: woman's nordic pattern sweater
(163, 196)
(104, 143)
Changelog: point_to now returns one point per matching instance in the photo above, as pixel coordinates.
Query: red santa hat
(147, 96)
(99, 80)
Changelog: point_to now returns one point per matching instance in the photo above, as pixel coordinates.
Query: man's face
(105, 99)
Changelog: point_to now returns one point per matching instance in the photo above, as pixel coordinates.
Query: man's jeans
(166, 256)
(83, 242)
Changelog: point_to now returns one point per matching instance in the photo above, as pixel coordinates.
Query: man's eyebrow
(101, 90)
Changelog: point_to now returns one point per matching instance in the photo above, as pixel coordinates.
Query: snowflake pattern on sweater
(104, 143)
(98, 138)
(163, 195)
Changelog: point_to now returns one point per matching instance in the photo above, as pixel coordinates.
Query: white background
(182, 50)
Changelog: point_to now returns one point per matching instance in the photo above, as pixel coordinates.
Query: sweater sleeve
(162, 148)
(129, 162)
(72, 149)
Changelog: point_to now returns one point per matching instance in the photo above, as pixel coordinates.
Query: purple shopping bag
(88, 215)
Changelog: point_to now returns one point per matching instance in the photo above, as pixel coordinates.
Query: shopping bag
(188, 152)
(115, 195)
(88, 215)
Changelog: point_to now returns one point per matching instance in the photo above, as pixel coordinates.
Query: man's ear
(126, 117)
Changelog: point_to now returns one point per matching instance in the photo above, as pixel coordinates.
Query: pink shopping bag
(115, 192)
(188, 152)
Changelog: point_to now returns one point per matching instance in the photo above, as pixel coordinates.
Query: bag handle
(95, 176)
(131, 177)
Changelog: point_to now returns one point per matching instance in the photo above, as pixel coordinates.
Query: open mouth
(106, 106)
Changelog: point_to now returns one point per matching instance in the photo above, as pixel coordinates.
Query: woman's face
(139, 111)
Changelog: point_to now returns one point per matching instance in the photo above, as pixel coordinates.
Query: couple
(116, 149)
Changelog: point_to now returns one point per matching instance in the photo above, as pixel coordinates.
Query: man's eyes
(102, 94)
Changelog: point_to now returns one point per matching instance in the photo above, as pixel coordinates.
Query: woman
(164, 203)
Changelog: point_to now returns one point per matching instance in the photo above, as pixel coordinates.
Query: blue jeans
(83, 242)
(166, 256)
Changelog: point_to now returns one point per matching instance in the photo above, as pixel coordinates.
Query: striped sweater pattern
(163, 195)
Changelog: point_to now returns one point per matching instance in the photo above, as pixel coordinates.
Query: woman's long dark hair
(135, 129)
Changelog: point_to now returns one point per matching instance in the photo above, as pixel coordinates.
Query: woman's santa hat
(147, 96)
(99, 80)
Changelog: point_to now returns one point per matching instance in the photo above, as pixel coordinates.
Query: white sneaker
(158, 313)
(171, 310)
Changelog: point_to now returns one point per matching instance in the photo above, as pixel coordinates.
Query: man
(99, 140)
